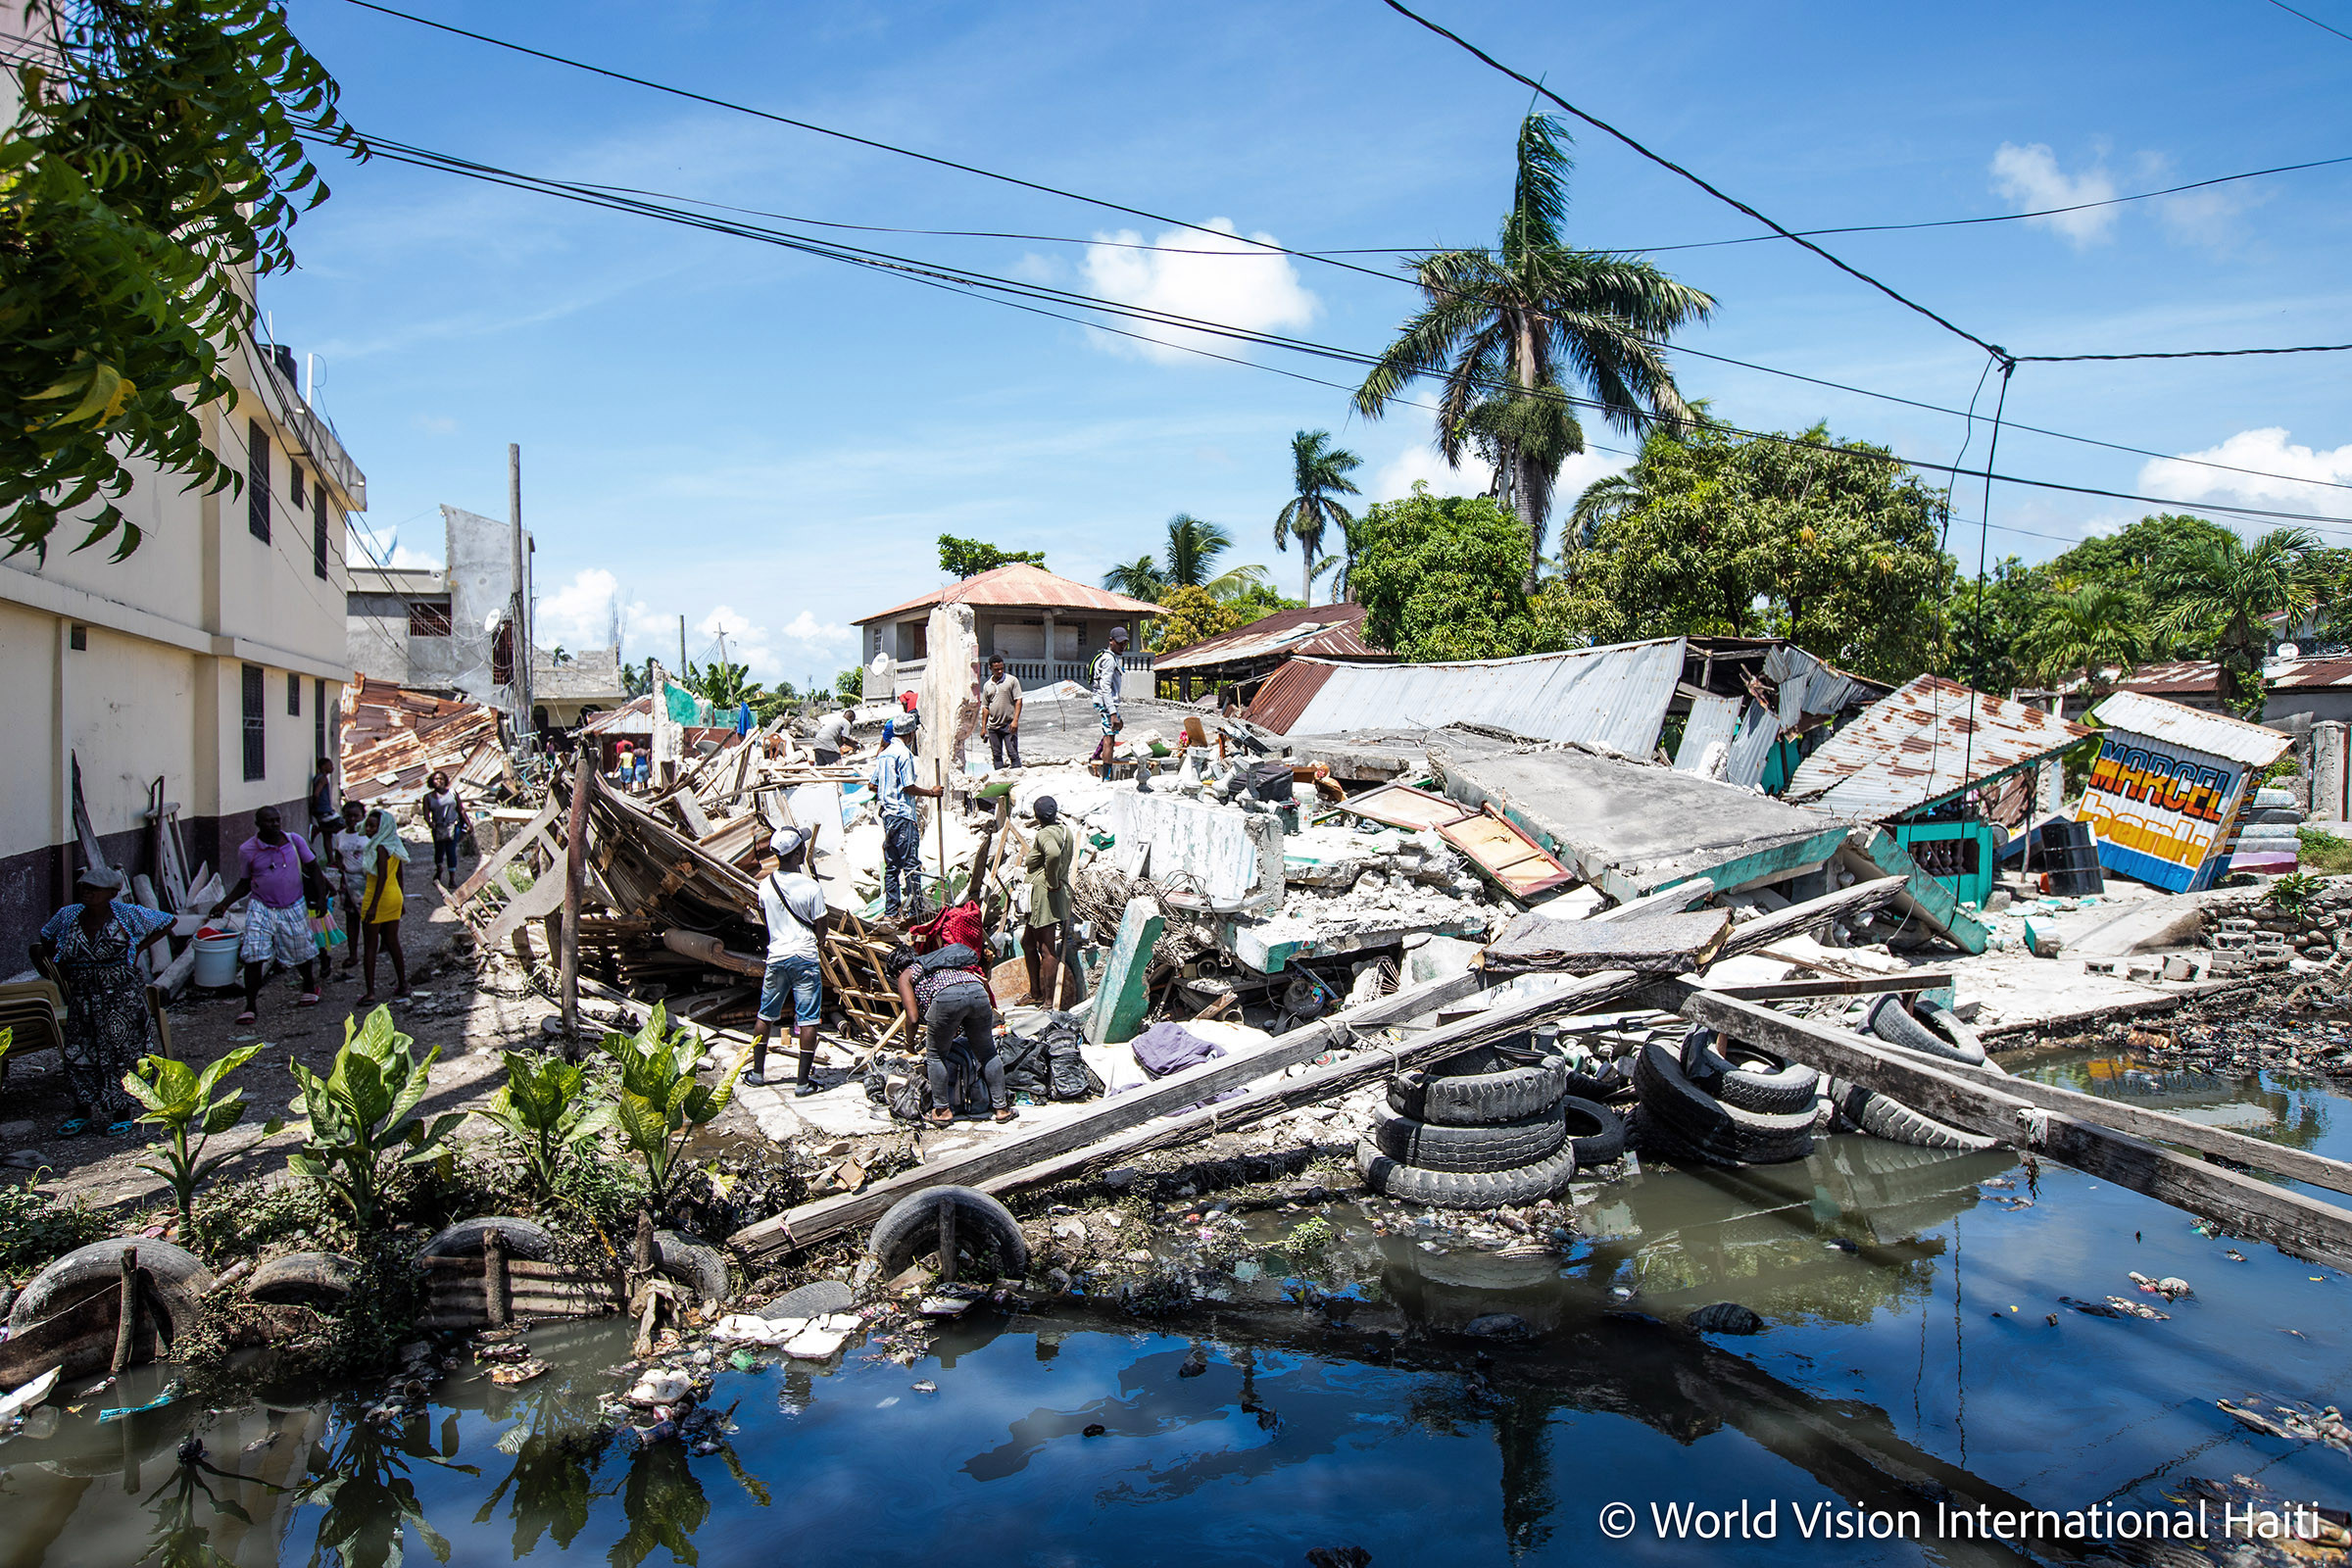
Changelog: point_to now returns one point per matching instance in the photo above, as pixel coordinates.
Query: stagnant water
(1909, 1359)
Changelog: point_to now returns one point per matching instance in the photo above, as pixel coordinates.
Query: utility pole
(520, 626)
(722, 642)
(681, 648)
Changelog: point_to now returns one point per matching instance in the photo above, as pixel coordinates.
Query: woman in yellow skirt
(380, 904)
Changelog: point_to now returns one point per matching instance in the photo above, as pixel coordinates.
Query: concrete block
(1234, 857)
(1121, 998)
(1437, 959)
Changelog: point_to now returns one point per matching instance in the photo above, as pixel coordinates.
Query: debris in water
(1726, 1317)
(517, 1372)
(1196, 1362)
(1095, 1430)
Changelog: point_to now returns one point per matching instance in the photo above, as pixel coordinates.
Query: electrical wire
(2313, 20)
(2185, 353)
(1670, 164)
(965, 281)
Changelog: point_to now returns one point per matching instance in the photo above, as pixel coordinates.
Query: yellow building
(214, 658)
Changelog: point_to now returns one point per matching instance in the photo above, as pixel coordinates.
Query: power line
(1663, 161)
(962, 280)
(2313, 20)
(2185, 354)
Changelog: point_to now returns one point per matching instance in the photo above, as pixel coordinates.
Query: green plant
(2294, 892)
(158, 152)
(187, 1107)
(660, 1102)
(36, 1227)
(546, 1108)
(365, 1109)
(2324, 854)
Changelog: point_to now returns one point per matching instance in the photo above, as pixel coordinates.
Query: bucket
(216, 960)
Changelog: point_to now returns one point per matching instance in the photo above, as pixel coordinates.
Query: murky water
(1909, 1358)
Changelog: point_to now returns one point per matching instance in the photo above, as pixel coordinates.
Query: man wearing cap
(1110, 670)
(901, 828)
(794, 907)
(1053, 853)
(1000, 709)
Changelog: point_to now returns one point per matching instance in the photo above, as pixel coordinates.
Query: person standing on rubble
(1109, 672)
(832, 741)
(444, 815)
(797, 916)
(1001, 709)
(901, 827)
(1052, 856)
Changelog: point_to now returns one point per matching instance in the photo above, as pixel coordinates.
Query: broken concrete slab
(1660, 944)
(1231, 856)
(1633, 827)
(1122, 997)
(2172, 924)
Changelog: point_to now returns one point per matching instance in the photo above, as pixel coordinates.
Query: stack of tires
(1491, 1128)
(1723, 1102)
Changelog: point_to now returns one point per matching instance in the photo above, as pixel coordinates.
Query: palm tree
(1500, 328)
(2090, 630)
(1194, 547)
(1236, 582)
(1604, 500)
(1137, 579)
(2230, 591)
(1318, 471)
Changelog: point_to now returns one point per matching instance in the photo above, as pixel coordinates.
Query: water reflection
(2280, 1107)
(366, 1487)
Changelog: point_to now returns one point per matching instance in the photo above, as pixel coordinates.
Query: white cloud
(585, 613)
(370, 547)
(1395, 479)
(2207, 218)
(2030, 177)
(1209, 276)
(802, 646)
(2302, 470)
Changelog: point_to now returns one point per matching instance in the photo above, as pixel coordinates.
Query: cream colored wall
(31, 815)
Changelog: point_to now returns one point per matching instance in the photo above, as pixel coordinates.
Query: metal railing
(1030, 673)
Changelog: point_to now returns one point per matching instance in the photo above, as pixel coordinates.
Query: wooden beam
(1998, 1107)
(575, 881)
(1839, 986)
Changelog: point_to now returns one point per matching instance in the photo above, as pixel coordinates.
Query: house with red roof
(1047, 627)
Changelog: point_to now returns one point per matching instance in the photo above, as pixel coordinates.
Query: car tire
(1504, 1146)
(180, 1275)
(322, 1281)
(681, 1259)
(986, 1233)
(1479, 1087)
(523, 1239)
(1884, 1116)
(1755, 1079)
(1450, 1189)
(1595, 1133)
(1698, 1116)
(1887, 1020)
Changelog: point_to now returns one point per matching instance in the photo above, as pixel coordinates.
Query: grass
(2324, 854)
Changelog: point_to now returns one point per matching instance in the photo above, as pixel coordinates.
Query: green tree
(1194, 547)
(849, 685)
(1139, 579)
(1188, 614)
(1318, 473)
(1505, 331)
(1443, 577)
(159, 151)
(1833, 545)
(722, 684)
(968, 558)
(2137, 560)
(2085, 632)
(1985, 636)
(2231, 590)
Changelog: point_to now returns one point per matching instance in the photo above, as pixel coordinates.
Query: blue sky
(772, 442)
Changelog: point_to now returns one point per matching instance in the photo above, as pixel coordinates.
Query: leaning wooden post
(126, 1320)
(575, 877)
(947, 1239)
(494, 1276)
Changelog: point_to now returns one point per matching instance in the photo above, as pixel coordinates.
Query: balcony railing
(1032, 673)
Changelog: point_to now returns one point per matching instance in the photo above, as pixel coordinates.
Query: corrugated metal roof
(1932, 739)
(2215, 733)
(2311, 674)
(1614, 696)
(1019, 586)
(1321, 631)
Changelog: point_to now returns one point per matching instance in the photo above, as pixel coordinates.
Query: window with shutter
(256, 481)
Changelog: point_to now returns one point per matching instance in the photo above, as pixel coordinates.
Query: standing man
(901, 828)
(323, 820)
(1053, 853)
(1000, 709)
(831, 742)
(278, 869)
(444, 815)
(794, 907)
(1109, 670)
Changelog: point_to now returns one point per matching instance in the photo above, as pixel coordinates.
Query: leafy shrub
(36, 1227)
(364, 1112)
(660, 1102)
(2324, 854)
(183, 1102)
(2294, 892)
(546, 1108)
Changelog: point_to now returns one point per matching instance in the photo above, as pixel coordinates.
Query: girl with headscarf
(94, 944)
(381, 903)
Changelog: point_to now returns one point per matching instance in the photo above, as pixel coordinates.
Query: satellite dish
(2289, 650)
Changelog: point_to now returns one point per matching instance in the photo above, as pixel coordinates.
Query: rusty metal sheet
(1518, 864)
(1402, 806)
(1930, 740)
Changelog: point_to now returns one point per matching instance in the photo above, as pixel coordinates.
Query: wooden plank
(496, 861)
(706, 949)
(1997, 1108)
(1402, 806)
(690, 812)
(1859, 985)
(92, 855)
(543, 897)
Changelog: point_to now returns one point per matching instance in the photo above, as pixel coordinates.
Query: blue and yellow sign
(2162, 812)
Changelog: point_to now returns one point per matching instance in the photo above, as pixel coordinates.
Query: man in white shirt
(901, 828)
(1109, 669)
(794, 908)
(832, 741)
